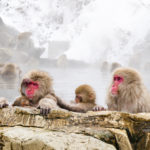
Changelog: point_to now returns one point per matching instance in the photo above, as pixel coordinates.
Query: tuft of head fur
(88, 91)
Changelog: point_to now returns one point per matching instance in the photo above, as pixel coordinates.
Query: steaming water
(98, 30)
(67, 80)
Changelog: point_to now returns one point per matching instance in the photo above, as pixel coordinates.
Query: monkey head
(85, 94)
(35, 85)
(123, 77)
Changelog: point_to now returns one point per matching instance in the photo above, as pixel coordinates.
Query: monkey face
(78, 98)
(117, 80)
(29, 88)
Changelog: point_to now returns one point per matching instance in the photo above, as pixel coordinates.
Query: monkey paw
(44, 110)
(3, 102)
(99, 108)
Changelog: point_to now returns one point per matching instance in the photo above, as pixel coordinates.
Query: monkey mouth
(114, 94)
(30, 96)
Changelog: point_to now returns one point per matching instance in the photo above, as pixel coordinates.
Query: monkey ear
(91, 96)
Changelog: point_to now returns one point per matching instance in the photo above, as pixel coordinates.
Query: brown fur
(44, 98)
(10, 71)
(132, 96)
(114, 66)
(88, 96)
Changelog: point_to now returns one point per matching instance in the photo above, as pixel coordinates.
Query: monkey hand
(3, 102)
(99, 108)
(45, 105)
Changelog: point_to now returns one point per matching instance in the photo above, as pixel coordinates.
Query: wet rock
(62, 129)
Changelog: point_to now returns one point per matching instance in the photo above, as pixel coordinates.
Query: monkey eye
(35, 84)
(117, 78)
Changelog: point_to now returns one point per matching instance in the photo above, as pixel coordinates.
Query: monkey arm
(46, 104)
(76, 107)
(99, 108)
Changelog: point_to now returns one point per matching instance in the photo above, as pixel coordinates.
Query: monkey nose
(115, 83)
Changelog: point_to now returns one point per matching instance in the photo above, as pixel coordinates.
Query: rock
(18, 138)
(25, 128)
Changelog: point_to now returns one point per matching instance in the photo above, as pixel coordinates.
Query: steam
(111, 30)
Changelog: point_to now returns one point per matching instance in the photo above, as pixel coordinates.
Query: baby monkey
(85, 100)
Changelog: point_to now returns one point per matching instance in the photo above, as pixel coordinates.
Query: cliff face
(24, 129)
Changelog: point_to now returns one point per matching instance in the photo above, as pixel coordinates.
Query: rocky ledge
(25, 128)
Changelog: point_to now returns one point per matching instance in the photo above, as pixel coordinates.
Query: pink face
(31, 88)
(116, 81)
(78, 99)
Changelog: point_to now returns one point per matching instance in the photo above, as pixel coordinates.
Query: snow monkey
(114, 66)
(9, 72)
(85, 98)
(36, 90)
(127, 92)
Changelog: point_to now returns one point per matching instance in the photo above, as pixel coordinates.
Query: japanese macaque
(36, 90)
(114, 66)
(127, 92)
(85, 98)
(10, 72)
(62, 61)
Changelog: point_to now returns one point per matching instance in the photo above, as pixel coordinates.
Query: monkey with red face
(127, 92)
(36, 90)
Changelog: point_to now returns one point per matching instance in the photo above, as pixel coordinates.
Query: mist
(77, 42)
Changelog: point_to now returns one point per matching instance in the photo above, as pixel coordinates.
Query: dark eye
(118, 78)
(35, 84)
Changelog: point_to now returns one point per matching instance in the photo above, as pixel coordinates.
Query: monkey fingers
(3, 102)
(99, 108)
(3, 105)
(44, 110)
